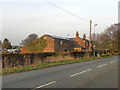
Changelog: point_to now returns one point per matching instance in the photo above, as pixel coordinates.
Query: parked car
(10, 50)
(13, 50)
(4, 50)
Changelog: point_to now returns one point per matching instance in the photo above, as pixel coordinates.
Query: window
(45, 37)
(86, 44)
(75, 43)
(61, 42)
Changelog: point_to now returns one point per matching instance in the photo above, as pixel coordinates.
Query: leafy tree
(29, 39)
(36, 46)
(6, 44)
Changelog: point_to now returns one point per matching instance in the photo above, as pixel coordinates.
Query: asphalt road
(91, 74)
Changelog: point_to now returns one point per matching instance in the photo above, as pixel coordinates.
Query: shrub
(116, 53)
(36, 46)
(102, 55)
(107, 55)
(87, 55)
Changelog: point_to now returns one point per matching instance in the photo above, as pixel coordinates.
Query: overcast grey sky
(119, 11)
(23, 17)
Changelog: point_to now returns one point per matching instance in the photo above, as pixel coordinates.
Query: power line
(66, 11)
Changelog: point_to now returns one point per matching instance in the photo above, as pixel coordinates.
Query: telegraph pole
(90, 36)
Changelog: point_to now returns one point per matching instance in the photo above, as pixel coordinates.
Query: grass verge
(47, 64)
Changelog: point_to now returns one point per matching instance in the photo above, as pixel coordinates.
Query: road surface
(91, 74)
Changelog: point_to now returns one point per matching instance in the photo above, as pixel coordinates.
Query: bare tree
(29, 39)
(6, 44)
(107, 39)
(0, 42)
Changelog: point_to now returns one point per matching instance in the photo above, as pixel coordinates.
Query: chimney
(84, 36)
(77, 34)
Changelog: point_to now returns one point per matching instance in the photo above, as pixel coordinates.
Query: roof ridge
(58, 37)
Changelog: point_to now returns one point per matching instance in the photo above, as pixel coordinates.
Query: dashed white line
(72, 75)
(80, 73)
(112, 62)
(46, 84)
(101, 65)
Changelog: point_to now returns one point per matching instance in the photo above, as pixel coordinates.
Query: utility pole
(90, 36)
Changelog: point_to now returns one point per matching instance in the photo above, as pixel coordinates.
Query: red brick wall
(48, 48)
(24, 50)
(50, 44)
(77, 49)
(80, 41)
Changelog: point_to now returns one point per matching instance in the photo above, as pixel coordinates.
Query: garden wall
(14, 60)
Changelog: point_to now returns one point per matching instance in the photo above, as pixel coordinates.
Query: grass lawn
(47, 64)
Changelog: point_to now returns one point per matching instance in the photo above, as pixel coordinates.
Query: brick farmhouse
(56, 43)
(83, 42)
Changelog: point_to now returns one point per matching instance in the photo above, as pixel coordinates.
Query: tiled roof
(58, 37)
(85, 39)
(71, 38)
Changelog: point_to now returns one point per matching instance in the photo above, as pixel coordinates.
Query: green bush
(116, 53)
(107, 55)
(49, 64)
(36, 46)
(102, 55)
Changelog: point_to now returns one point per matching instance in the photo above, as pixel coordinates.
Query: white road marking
(46, 84)
(80, 73)
(101, 65)
(112, 62)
